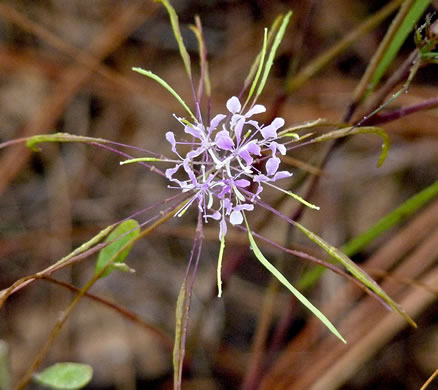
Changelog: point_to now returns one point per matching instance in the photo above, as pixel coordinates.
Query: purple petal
(261, 178)
(216, 215)
(171, 139)
(190, 174)
(253, 148)
(233, 105)
(244, 206)
(272, 165)
(246, 156)
(278, 122)
(226, 204)
(274, 146)
(224, 141)
(257, 109)
(216, 120)
(195, 153)
(270, 131)
(281, 175)
(193, 131)
(171, 171)
(242, 183)
(238, 129)
(236, 217)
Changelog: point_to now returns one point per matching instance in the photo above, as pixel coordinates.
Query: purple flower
(221, 163)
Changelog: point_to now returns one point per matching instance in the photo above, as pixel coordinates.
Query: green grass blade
(271, 33)
(360, 130)
(357, 272)
(291, 288)
(164, 84)
(416, 10)
(272, 52)
(177, 32)
(354, 246)
(261, 57)
(392, 219)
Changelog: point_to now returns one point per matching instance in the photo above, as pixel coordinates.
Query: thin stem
(66, 314)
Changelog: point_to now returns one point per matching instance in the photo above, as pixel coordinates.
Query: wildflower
(223, 161)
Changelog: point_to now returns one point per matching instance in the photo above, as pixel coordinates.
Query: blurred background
(66, 66)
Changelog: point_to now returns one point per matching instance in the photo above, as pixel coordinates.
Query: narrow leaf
(122, 234)
(60, 137)
(291, 288)
(356, 271)
(360, 130)
(417, 9)
(390, 220)
(164, 84)
(177, 32)
(65, 376)
(142, 159)
(272, 52)
(178, 349)
(255, 65)
(259, 70)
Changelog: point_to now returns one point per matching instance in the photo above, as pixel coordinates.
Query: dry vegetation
(66, 66)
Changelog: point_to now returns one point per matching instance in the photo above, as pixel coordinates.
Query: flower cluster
(221, 162)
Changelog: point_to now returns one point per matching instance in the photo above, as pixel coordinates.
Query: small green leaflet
(123, 233)
(274, 271)
(65, 376)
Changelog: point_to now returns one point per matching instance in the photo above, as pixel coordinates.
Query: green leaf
(291, 288)
(360, 130)
(416, 10)
(390, 220)
(261, 59)
(178, 349)
(164, 84)
(357, 272)
(122, 234)
(177, 32)
(272, 52)
(65, 376)
(256, 64)
(32, 142)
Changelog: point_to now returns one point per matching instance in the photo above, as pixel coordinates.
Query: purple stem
(151, 167)
(398, 113)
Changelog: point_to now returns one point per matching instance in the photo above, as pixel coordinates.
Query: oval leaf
(121, 235)
(65, 376)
